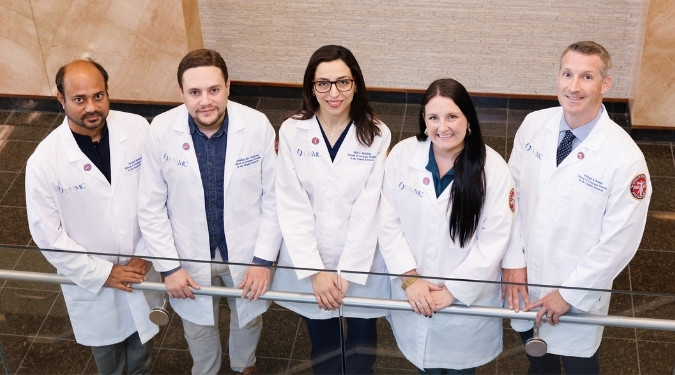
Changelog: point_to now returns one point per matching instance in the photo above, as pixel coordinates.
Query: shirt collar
(79, 138)
(193, 126)
(583, 131)
(432, 166)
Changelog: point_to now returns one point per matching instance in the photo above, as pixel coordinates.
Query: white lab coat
(71, 206)
(415, 234)
(578, 224)
(171, 203)
(328, 214)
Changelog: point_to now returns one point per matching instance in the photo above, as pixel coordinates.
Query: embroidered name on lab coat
(134, 164)
(410, 190)
(362, 156)
(175, 161)
(592, 183)
(308, 153)
(533, 151)
(245, 162)
(71, 189)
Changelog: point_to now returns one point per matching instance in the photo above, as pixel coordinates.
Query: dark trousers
(360, 345)
(550, 363)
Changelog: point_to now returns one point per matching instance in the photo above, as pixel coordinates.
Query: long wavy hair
(467, 193)
(360, 111)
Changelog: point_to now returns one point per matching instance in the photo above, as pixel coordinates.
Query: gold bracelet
(411, 279)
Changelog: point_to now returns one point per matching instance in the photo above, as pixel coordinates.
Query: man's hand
(255, 282)
(553, 306)
(121, 277)
(139, 265)
(327, 290)
(178, 285)
(511, 292)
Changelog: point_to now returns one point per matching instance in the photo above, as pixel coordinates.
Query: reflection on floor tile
(618, 356)
(656, 357)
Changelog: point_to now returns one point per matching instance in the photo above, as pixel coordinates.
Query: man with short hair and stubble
(207, 194)
(583, 191)
(81, 193)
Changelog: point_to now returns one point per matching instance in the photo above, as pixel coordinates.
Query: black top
(97, 152)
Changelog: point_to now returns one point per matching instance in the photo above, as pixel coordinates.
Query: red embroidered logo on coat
(315, 140)
(512, 200)
(639, 186)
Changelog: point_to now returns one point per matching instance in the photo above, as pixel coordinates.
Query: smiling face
(446, 125)
(205, 92)
(334, 103)
(580, 87)
(84, 99)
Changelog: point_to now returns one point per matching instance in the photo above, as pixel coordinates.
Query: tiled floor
(35, 333)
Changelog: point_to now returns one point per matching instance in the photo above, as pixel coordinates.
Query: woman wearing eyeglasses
(446, 213)
(328, 181)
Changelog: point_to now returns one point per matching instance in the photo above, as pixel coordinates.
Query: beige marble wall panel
(21, 69)
(653, 104)
(491, 46)
(139, 42)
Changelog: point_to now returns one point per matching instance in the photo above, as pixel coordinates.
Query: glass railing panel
(36, 335)
(286, 332)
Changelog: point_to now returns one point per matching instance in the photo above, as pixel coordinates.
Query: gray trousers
(129, 354)
(204, 341)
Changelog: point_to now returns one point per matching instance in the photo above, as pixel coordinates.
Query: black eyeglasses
(340, 84)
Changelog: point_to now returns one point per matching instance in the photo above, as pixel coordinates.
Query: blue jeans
(550, 363)
(129, 354)
(360, 345)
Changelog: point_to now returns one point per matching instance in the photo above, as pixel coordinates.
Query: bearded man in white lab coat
(207, 194)
(583, 192)
(81, 192)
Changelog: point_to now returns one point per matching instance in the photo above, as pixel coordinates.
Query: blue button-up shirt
(210, 153)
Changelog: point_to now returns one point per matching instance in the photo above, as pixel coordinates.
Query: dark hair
(467, 194)
(590, 48)
(201, 57)
(360, 111)
(60, 74)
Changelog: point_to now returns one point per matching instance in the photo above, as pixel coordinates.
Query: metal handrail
(493, 312)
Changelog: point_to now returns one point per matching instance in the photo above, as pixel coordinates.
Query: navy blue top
(333, 150)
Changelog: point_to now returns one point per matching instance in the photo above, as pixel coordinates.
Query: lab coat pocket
(181, 234)
(246, 190)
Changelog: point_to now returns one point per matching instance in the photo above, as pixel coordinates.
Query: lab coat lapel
(235, 141)
(552, 126)
(349, 145)
(419, 163)
(183, 145)
(78, 159)
(117, 140)
(313, 130)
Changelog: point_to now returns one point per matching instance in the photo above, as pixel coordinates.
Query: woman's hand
(442, 298)
(419, 296)
(328, 291)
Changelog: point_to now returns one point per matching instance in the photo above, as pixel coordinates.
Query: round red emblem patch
(512, 200)
(315, 140)
(425, 180)
(639, 186)
(87, 167)
(186, 146)
(580, 155)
